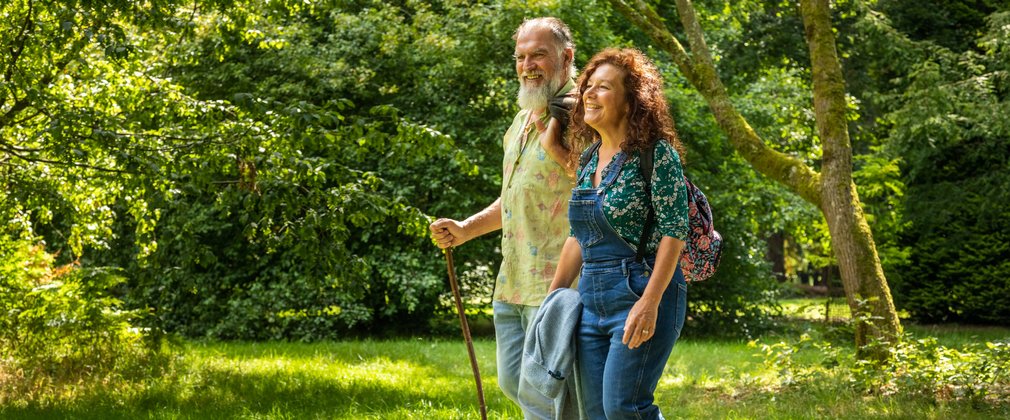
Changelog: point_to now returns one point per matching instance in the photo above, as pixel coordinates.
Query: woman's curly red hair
(649, 117)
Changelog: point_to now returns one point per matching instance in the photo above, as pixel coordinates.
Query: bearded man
(532, 210)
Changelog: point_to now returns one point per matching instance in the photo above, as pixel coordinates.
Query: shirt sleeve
(669, 192)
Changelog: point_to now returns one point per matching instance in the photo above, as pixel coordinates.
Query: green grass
(406, 379)
(431, 379)
(814, 309)
(951, 335)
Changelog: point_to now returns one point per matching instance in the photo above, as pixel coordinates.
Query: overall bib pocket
(581, 212)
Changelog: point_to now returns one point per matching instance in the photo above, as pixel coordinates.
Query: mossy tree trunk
(862, 276)
(831, 190)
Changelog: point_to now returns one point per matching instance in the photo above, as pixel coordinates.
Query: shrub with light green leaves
(61, 325)
(978, 373)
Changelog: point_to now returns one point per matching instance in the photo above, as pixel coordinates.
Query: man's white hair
(562, 38)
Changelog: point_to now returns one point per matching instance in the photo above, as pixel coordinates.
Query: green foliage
(881, 190)
(977, 373)
(273, 253)
(62, 325)
(914, 368)
(952, 24)
(952, 135)
(264, 169)
(265, 276)
(240, 216)
(790, 370)
(327, 237)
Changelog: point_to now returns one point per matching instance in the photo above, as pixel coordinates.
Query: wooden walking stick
(466, 331)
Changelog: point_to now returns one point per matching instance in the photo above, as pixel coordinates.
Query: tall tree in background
(832, 189)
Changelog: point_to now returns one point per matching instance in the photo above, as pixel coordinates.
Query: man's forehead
(528, 48)
(534, 39)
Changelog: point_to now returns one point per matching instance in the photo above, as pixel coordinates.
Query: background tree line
(266, 169)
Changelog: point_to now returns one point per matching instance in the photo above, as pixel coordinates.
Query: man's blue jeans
(510, 324)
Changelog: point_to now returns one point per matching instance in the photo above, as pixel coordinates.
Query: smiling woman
(606, 105)
(634, 301)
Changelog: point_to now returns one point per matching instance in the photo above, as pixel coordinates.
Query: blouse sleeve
(669, 192)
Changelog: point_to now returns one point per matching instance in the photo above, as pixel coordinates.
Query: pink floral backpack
(700, 257)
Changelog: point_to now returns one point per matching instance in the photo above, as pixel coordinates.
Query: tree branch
(646, 19)
(18, 149)
(16, 52)
(695, 35)
(828, 83)
(11, 113)
(63, 163)
(701, 73)
(58, 67)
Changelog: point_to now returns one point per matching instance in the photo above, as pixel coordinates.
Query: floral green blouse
(624, 203)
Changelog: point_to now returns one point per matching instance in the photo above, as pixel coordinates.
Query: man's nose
(528, 63)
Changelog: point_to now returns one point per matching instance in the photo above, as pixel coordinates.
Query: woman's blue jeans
(618, 382)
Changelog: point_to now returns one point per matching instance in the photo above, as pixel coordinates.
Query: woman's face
(604, 99)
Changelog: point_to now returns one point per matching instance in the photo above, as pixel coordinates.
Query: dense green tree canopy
(266, 169)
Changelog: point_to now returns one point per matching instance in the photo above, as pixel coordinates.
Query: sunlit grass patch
(359, 379)
(431, 379)
(816, 309)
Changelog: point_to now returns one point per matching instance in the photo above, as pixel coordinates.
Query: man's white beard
(534, 97)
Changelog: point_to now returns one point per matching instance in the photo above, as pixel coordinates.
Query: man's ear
(569, 56)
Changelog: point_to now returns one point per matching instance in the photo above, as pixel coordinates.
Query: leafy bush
(62, 326)
(921, 367)
(916, 368)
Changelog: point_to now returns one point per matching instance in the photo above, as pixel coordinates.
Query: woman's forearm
(667, 257)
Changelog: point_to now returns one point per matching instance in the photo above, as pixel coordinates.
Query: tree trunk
(777, 255)
(866, 288)
(833, 192)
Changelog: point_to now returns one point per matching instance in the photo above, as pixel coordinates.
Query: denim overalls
(618, 382)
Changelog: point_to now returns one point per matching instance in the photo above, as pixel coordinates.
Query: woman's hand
(641, 323)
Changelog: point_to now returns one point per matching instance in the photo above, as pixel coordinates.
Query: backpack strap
(587, 155)
(645, 169)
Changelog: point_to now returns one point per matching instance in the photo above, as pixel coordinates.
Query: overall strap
(645, 168)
